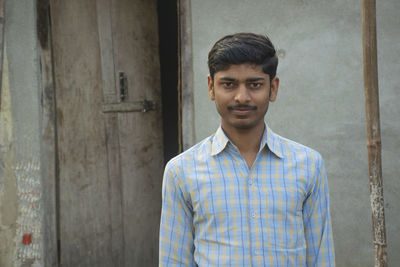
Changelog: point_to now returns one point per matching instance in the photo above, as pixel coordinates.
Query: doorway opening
(168, 49)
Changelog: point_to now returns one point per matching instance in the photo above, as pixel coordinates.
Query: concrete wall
(320, 101)
(21, 209)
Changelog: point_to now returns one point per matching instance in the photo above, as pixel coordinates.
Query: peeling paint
(30, 211)
(20, 193)
(377, 207)
(5, 119)
(23, 168)
(8, 187)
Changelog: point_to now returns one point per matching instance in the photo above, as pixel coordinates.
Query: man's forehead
(242, 71)
(245, 65)
(248, 79)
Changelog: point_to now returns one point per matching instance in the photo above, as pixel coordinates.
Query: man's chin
(243, 125)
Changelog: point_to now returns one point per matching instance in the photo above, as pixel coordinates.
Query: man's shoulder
(301, 156)
(196, 153)
(294, 149)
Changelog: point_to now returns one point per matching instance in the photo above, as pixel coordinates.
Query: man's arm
(176, 227)
(317, 221)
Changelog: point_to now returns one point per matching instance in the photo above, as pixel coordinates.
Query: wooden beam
(186, 79)
(1, 43)
(371, 93)
(104, 23)
(48, 135)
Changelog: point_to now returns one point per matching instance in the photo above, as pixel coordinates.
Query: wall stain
(42, 8)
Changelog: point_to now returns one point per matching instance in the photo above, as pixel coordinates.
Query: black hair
(242, 48)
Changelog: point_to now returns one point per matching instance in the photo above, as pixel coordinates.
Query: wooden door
(109, 133)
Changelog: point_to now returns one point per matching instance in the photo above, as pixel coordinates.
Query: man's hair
(242, 48)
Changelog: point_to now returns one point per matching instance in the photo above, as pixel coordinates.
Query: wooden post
(48, 136)
(1, 43)
(371, 93)
(186, 79)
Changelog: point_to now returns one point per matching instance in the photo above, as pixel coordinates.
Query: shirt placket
(253, 211)
(256, 231)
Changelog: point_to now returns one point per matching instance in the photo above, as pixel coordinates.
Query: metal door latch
(132, 106)
(148, 105)
(135, 106)
(123, 86)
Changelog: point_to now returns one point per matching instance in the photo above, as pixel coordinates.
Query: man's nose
(242, 94)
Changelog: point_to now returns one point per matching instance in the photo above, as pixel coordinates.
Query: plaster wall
(321, 99)
(20, 177)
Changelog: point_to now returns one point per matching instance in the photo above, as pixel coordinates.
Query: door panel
(134, 28)
(84, 218)
(135, 41)
(110, 163)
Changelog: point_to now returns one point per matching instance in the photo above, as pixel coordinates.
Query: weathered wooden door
(109, 133)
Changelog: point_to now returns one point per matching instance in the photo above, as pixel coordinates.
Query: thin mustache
(242, 107)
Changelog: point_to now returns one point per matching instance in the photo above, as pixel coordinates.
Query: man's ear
(274, 89)
(211, 92)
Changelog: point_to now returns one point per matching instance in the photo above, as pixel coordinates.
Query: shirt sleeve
(176, 227)
(317, 221)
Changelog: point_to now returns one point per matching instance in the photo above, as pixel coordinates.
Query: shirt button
(253, 215)
(252, 182)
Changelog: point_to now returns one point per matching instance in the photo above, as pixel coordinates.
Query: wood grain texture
(135, 39)
(1, 44)
(186, 74)
(85, 226)
(48, 136)
(110, 164)
(110, 92)
(110, 96)
(371, 93)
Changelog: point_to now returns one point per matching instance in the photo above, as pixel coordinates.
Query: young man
(245, 196)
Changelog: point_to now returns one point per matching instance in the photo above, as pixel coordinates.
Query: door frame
(186, 76)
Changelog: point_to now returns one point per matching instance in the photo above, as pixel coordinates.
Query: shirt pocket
(289, 200)
(283, 199)
(283, 214)
(218, 203)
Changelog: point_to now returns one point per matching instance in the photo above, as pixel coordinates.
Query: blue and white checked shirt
(217, 212)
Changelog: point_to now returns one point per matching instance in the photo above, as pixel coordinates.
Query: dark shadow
(168, 38)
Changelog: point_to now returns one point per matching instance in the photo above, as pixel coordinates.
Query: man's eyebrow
(227, 79)
(255, 79)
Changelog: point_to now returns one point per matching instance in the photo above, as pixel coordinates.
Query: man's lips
(242, 110)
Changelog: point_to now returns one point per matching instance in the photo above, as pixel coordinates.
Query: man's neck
(246, 140)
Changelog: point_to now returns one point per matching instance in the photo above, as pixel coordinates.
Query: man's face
(242, 94)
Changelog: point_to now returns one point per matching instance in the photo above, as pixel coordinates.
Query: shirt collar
(219, 141)
(273, 141)
(269, 138)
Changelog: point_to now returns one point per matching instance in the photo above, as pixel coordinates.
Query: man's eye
(255, 85)
(228, 84)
